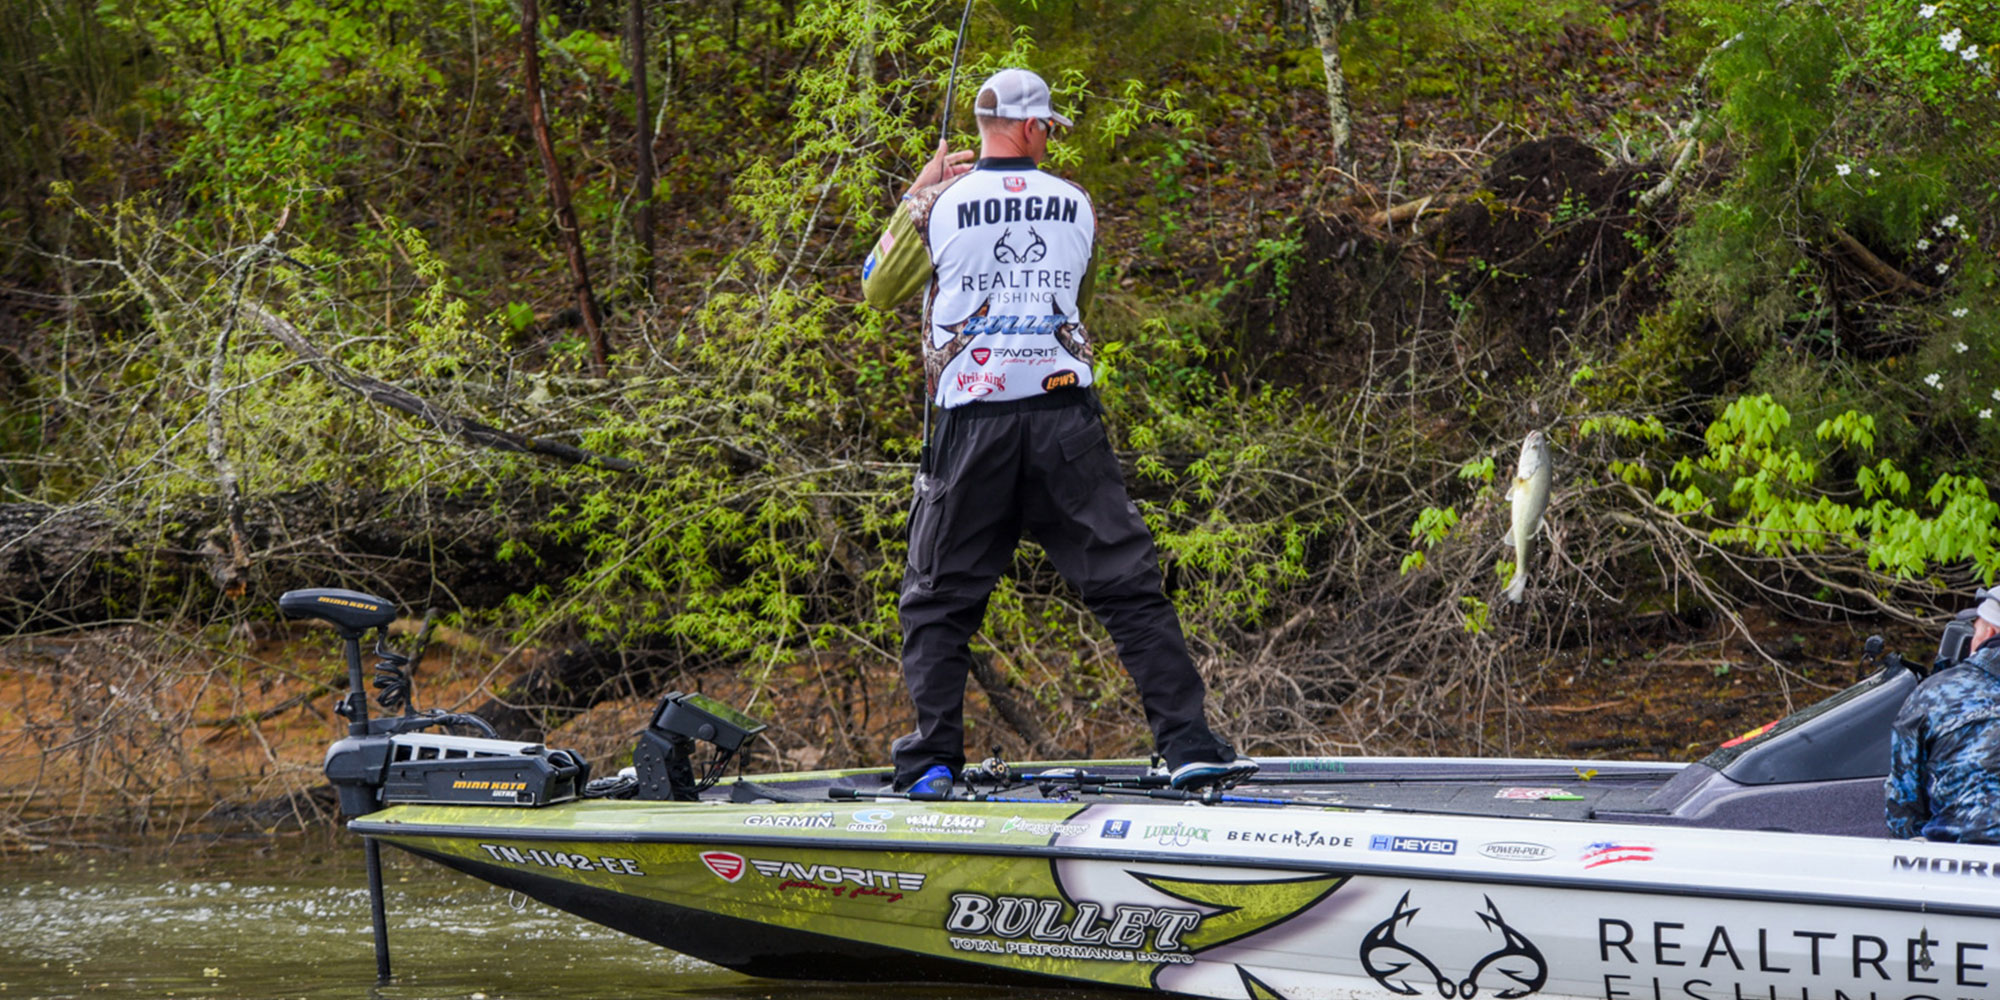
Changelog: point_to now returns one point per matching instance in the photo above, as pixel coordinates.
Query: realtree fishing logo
(1517, 962)
(1005, 252)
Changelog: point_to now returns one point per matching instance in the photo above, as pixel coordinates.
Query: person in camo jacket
(1944, 752)
(1002, 252)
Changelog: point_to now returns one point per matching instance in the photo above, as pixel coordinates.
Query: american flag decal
(1606, 852)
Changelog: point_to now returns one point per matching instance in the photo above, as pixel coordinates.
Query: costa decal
(1015, 185)
(944, 823)
(1299, 839)
(828, 875)
(1036, 925)
(1064, 379)
(1115, 829)
(870, 821)
(1608, 852)
(1947, 866)
(821, 821)
(1514, 969)
(1517, 850)
(1413, 845)
(1043, 827)
(1175, 834)
(980, 354)
(1030, 253)
(726, 866)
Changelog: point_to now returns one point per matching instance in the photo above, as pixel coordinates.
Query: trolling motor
(390, 760)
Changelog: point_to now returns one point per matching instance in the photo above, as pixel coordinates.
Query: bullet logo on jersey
(980, 354)
(1006, 253)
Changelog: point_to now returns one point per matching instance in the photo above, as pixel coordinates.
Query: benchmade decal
(1413, 845)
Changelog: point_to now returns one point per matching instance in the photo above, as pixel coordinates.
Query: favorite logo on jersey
(981, 383)
(1016, 184)
(1006, 253)
(980, 354)
(1065, 379)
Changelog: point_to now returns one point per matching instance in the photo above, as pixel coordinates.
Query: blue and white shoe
(1197, 774)
(934, 786)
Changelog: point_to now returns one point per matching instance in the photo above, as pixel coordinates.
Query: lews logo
(1175, 834)
(727, 867)
(1517, 966)
(980, 354)
(1065, 379)
(1413, 845)
(1517, 850)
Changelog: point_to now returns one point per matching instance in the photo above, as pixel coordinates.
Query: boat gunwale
(393, 831)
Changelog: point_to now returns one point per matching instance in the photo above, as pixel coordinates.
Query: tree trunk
(566, 226)
(1326, 18)
(642, 120)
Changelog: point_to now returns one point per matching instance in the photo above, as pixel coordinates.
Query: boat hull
(1248, 903)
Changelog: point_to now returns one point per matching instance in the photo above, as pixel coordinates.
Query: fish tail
(1518, 586)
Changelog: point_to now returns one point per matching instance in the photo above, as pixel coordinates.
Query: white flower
(1958, 313)
(1934, 380)
(1872, 172)
(1927, 11)
(1942, 268)
(1971, 52)
(1950, 39)
(1923, 244)
(1996, 395)
(1960, 347)
(1844, 169)
(1986, 414)
(1950, 222)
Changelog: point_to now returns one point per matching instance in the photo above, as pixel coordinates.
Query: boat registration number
(562, 859)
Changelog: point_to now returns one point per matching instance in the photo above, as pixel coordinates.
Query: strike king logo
(1517, 965)
(833, 880)
(1040, 926)
(981, 383)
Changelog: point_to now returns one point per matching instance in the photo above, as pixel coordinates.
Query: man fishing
(1003, 252)
(1944, 752)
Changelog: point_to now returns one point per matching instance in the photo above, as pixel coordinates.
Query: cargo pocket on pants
(925, 516)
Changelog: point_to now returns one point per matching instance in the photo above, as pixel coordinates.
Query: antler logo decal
(1517, 960)
(1006, 254)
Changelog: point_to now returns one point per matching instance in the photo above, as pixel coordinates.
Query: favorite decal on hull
(833, 880)
(1517, 966)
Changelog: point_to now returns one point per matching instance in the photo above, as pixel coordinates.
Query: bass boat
(1763, 871)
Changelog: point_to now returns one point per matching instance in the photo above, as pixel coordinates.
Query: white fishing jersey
(1006, 251)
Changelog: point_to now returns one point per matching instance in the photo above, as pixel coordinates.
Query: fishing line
(944, 136)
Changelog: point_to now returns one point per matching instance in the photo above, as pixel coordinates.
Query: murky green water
(288, 927)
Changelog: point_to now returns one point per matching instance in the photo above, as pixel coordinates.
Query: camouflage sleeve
(1908, 805)
(899, 265)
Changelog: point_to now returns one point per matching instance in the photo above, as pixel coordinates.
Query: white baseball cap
(1989, 605)
(1017, 93)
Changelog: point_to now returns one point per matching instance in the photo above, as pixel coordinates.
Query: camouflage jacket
(1944, 755)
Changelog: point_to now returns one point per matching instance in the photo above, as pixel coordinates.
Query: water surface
(285, 926)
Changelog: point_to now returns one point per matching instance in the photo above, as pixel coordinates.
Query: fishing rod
(944, 136)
